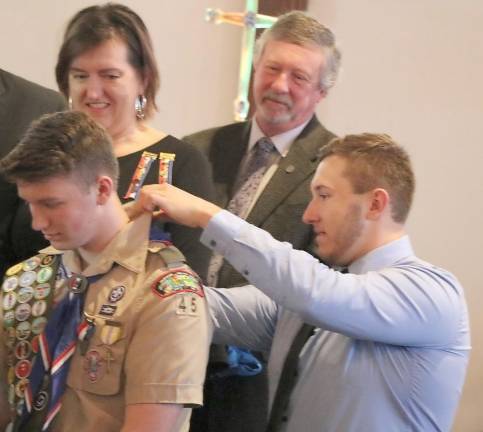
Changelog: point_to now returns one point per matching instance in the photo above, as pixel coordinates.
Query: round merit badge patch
(176, 282)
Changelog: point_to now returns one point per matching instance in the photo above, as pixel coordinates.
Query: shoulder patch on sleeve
(177, 281)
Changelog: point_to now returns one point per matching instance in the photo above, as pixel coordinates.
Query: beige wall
(198, 61)
(411, 68)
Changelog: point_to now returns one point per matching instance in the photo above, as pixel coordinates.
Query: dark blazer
(234, 403)
(280, 207)
(21, 102)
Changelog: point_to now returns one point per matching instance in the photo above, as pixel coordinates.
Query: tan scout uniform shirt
(150, 343)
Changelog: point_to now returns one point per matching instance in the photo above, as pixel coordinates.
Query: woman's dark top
(191, 172)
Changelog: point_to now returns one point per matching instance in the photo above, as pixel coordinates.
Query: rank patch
(117, 294)
(175, 282)
(108, 310)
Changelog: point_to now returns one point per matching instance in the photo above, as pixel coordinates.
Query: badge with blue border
(177, 281)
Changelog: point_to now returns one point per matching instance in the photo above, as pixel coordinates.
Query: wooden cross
(250, 20)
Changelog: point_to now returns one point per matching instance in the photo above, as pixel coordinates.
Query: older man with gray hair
(262, 169)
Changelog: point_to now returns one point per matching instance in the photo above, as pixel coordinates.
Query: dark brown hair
(62, 144)
(377, 161)
(96, 24)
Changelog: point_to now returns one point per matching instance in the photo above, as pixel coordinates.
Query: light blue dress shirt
(393, 341)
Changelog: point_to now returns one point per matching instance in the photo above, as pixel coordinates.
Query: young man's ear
(379, 202)
(105, 187)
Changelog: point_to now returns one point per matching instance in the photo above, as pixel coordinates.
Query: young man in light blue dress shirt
(391, 344)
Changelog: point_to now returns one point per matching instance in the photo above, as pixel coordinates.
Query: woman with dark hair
(106, 68)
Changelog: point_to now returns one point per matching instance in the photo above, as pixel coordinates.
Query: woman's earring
(139, 107)
(69, 101)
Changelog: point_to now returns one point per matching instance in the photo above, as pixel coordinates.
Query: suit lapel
(299, 164)
(4, 103)
(2, 83)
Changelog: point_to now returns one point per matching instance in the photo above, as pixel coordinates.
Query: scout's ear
(105, 188)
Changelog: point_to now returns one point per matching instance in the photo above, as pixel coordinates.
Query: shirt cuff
(220, 232)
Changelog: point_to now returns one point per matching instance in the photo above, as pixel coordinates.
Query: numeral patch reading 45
(187, 305)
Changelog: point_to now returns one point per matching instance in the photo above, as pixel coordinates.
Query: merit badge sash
(27, 293)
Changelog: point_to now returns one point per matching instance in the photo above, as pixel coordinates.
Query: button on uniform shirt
(392, 345)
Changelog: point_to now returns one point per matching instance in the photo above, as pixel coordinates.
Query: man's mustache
(283, 99)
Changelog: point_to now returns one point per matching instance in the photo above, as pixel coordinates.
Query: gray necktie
(256, 165)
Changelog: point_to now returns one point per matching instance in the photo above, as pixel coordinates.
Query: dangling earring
(139, 107)
(69, 101)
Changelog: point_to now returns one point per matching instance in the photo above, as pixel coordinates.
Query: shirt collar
(128, 249)
(282, 142)
(383, 256)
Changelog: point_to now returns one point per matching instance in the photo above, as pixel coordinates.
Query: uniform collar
(383, 256)
(128, 248)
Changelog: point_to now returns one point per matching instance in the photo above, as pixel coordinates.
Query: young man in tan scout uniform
(106, 329)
